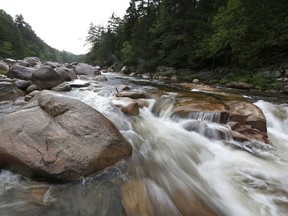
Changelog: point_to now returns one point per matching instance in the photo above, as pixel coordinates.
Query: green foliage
(127, 54)
(18, 40)
(6, 48)
(195, 34)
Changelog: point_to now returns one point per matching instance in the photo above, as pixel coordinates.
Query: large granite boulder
(85, 69)
(20, 72)
(46, 78)
(55, 137)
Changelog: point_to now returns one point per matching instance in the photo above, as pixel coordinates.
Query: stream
(172, 171)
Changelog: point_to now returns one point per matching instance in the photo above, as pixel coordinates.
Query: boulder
(23, 63)
(125, 70)
(69, 71)
(248, 120)
(4, 68)
(85, 69)
(65, 73)
(8, 91)
(100, 78)
(62, 87)
(22, 84)
(244, 113)
(52, 64)
(201, 110)
(46, 78)
(57, 138)
(32, 88)
(33, 61)
(131, 94)
(127, 105)
(20, 72)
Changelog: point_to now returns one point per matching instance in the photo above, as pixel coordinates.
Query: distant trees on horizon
(18, 40)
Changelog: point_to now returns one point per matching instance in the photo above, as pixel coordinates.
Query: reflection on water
(178, 167)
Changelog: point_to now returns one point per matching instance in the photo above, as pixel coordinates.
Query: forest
(18, 40)
(193, 34)
(183, 34)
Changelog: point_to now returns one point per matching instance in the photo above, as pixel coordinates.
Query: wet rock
(100, 78)
(248, 120)
(123, 88)
(79, 83)
(211, 111)
(244, 133)
(246, 113)
(135, 198)
(142, 102)
(127, 105)
(131, 94)
(46, 78)
(59, 138)
(192, 205)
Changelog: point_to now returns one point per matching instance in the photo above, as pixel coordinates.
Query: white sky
(63, 24)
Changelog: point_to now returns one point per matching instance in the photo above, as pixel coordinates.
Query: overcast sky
(63, 24)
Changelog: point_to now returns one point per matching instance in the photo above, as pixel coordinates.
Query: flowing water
(178, 167)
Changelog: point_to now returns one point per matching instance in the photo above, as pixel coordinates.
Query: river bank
(272, 79)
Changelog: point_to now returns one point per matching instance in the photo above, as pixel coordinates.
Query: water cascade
(179, 166)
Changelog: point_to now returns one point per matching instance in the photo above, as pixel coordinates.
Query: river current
(172, 171)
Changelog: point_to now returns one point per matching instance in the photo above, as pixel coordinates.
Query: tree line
(193, 34)
(18, 40)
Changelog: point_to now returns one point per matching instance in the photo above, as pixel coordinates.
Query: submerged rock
(58, 138)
